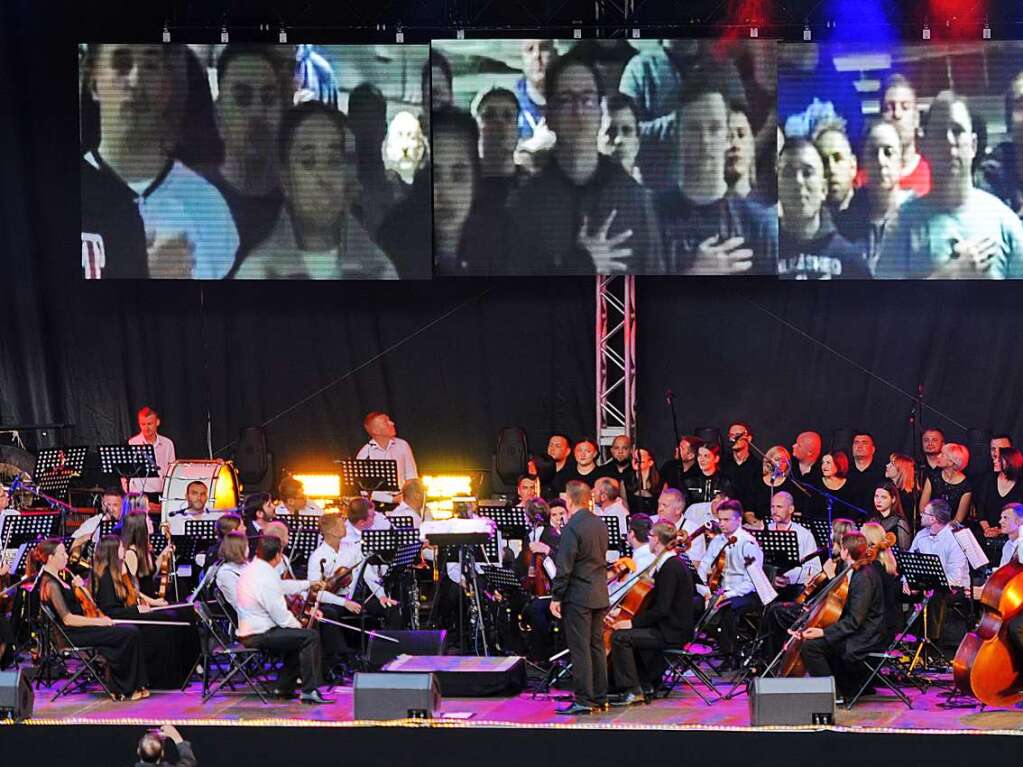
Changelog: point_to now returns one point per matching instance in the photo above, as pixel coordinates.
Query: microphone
(176, 513)
(15, 485)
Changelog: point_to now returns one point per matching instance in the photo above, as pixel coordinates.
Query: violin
(717, 570)
(131, 594)
(88, 604)
(986, 665)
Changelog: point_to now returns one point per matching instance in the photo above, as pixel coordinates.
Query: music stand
(367, 475)
(382, 542)
(923, 572)
(614, 533)
(821, 530)
(780, 547)
(510, 520)
(501, 579)
(302, 544)
(401, 521)
(129, 461)
(109, 527)
(28, 527)
(56, 467)
(201, 529)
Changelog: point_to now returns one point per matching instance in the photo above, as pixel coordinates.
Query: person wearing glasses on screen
(582, 213)
(957, 231)
(141, 93)
(316, 237)
(252, 94)
(706, 231)
(809, 246)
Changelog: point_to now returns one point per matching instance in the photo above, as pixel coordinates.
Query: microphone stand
(53, 503)
(670, 399)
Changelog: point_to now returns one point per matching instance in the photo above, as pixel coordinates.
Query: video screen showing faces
(558, 157)
(900, 162)
(255, 162)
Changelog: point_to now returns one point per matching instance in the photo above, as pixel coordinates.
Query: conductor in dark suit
(579, 597)
(666, 622)
(838, 649)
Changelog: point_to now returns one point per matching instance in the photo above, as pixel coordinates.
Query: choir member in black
(901, 470)
(932, 441)
(741, 466)
(259, 510)
(645, 485)
(579, 598)
(838, 649)
(666, 623)
(1000, 487)
(865, 470)
(586, 469)
(559, 465)
(676, 471)
(774, 478)
(806, 467)
(701, 485)
(120, 645)
(951, 485)
(169, 651)
(834, 480)
(620, 465)
(888, 513)
(138, 556)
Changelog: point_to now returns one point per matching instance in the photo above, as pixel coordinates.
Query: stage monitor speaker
(512, 454)
(792, 701)
(396, 696)
(16, 696)
(251, 457)
(708, 434)
(409, 643)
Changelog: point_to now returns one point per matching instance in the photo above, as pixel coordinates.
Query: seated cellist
(667, 622)
(1015, 625)
(838, 649)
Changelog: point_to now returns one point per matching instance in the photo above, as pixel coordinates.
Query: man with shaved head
(791, 582)
(806, 465)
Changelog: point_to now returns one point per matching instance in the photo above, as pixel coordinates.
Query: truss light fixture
(926, 34)
(754, 33)
(224, 36)
(807, 34)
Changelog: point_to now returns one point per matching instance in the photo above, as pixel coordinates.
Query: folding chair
(892, 659)
(687, 660)
(220, 651)
(91, 665)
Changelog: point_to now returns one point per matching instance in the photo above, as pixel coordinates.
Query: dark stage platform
(235, 729)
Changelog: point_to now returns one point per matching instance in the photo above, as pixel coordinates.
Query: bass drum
(219, 476)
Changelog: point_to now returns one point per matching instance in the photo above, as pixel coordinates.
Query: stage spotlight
(807, 34)
(577, 34)
(926, 34)
(166, 34)
(224, 37)
(399, 36)
(635, 33)
(754, 33)
(282, 36)
(986, 32)
(320, 487)
(447, 485)
(460, 34)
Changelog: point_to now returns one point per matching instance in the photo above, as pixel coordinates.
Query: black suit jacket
(671, 603)
(862, 624)
(582, 562)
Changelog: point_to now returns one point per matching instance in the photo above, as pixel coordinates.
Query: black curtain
(492, 353)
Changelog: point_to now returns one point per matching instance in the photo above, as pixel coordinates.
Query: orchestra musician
(579, 598)
(666, 622)
(607, 499)
(937, 537)
(163, 447)
(413, 503)
(266, 623)
(738, 593)
(367, 587)
(293, 499)
(259, 511)
(1010, 522)
(838, 649)
(111, 503)
(790, 583)
(138, 555)
(196, 496)
(234, 556)
(120, 645)
(385, 445)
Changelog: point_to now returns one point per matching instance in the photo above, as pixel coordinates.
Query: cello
(986, 665)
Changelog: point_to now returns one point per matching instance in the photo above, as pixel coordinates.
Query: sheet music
(971, 548)
(763, 586)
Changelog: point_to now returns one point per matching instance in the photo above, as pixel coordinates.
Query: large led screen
(254, 162)
(901, 162)
(556, 157)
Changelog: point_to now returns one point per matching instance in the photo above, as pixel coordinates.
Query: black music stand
(614, 533)
(201, 529)
(923, 572)
(301, 545)
(28, 527)
(510, 520)
(109, 527)
(780, 547)
(401, 521)
(382, 542)
(129, 461)
(821, 530)
(56, 467)
(367, 475)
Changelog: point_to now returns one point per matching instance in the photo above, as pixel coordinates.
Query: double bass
(986, 665)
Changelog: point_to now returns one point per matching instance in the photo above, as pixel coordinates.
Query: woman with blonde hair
(890, 580)
(902, 471)
(951, 484)
(774, 479)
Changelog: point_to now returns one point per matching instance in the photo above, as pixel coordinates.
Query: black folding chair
(91, 664)
(683, 662)
(894, 660)
(223, 658)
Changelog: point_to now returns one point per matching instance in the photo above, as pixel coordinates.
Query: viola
(88, 604)
(985, 664)
(131, 593)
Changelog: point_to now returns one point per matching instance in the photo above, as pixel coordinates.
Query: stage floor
(682, 711)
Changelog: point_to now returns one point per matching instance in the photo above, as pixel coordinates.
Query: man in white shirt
(264, 622)
(671, 505)
(385, 445)
(413, 503)
(326, 561)
(638, 537)
(293, 500)
(196, 495)
(149, 422)
(1011, 520)
(790, 583)
(361, 517)
(608, 501)
(110, 509)
(936, 537)
(738, 594)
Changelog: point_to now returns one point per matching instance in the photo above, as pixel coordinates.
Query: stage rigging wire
(854, 363)
(366, 363)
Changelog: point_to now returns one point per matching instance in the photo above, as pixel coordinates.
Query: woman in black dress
(1002, 486)
(644, 485)
(138, 555)
(889, 514)
(951, 485)
(901, 470)
(121, 645)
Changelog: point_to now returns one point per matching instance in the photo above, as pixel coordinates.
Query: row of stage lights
(441, 490)
(577, 33)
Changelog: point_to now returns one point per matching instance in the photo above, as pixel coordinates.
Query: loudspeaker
(16, 695)
(409, 643)
(841, 439)
(512, 455)
(708, 434)
(792, 701)
(251, 457)
(396, 696)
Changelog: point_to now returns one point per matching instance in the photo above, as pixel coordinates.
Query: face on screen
(839, 164)
(315, 172)
(132, 86)
(801, 188)
(573, 110)
(249, 107)
(882, 156)
(498, 123)
(899, 108)
(949, 142)
(536, 56)
(740, 154)
(619, 137)
(452, 181)
(703, 136)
